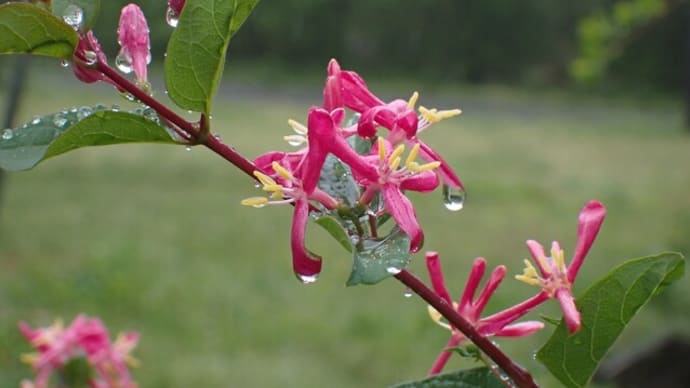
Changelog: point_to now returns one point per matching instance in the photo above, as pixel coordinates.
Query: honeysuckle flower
(133, 37)
(87, 53)
(84, 338)
(392, 177)
(286, 186)
(471, 307)
(554, 277)
(350, 90)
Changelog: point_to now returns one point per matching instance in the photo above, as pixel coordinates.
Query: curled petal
(520, 329)
(537, 252)
(133, 36)
(403, 213)
(589, 222)
(422, 182)
(433, 265)
(570, 313)
(372, 118)
(495, 279)
(332, 96)
(303, 263)
(446, 172)
(465, 307)
(356, 94)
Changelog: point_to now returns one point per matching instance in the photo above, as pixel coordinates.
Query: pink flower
(85, 337)
(285, 181)
(133, 36)
(87, 53)
(471, 308)
(554, 277)
(392, 177)
(347, 88)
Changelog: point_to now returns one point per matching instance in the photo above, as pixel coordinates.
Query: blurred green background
(153, 239)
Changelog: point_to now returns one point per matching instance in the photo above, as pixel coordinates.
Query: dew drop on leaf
(7, 134)
(393, 270)
(84, 112)
(36, 120)
(59, 120)
(407, 293)
(453, 199)
(188, 148)
(74, 16)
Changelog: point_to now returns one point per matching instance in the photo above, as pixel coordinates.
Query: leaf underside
(27, 29)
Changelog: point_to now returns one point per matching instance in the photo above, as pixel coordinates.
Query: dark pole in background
(16, 83)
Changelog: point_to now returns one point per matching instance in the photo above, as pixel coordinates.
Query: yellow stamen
(529, 274)
(295, 140)
(277, 194)
(434, 115)
(132, 361)
(29, 358)
(297, 127)
(273, 188)
(427, 167)
(397, 152)
(413, 100)
(436, 317)
(558, 258)
(281, 170)
(413, 155)
(255, 202)
(382, 148)
(264, 179)
(394, 163)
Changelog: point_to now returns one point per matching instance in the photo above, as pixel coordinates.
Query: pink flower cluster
(85, 338)
(554, 278)
(293, 177)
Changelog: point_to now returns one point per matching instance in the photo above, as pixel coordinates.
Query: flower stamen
(435, 115)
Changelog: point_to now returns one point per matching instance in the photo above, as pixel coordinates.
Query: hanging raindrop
(407, 293)
(171, 17)
(64, 63)
(7, 134)
(74, 16)
(453, 198)
(308, 279)
(123, 63)
(115, 108)
(188, 148)
(36, 120)
(393, 270)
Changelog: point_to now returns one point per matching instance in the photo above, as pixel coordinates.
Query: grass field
(153, 239)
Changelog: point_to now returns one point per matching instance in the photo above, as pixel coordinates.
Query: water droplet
(189, 112)
(188, 148)
(354, 239)
(115, 108)
(150, 114)
(393, 270)
(7, 134)
(59, 120)
(99, 107)
(308, 279)
(123, 64)
(171, 17)
(90, 57)
(74, 16)
(64, 63)
(84, 112)
(128, 96)
(217, 135)
(36, 120)
(407, 293)
(453, 198)
(258, 185)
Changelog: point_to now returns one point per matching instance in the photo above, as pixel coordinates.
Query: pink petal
(176, 5)
(570, 313)
(332, 96)
(520, 329)
(303, 263)
(433, 265)
(589, 222)
(475, 277)
(537, 251)
(403, 213)
(422, 182)
(356, 94)
(495, 279)
(447, 173)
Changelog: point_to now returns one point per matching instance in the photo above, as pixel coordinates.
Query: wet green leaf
(336, 179)
(197, 49)
(378, 259)
(28, 29)
(335, 229)
(47, 136)
(90, 10)
(606, 309)
(470, 378)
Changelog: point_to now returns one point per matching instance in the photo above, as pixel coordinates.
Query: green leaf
(196, 51)
(26, 28)
(55, 134)
(89, 8)
(470, 378)
(333, 227)
(378, 259)
(336, 180)
(606, 309)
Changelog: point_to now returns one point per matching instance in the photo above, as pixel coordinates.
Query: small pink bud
(133, 36)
